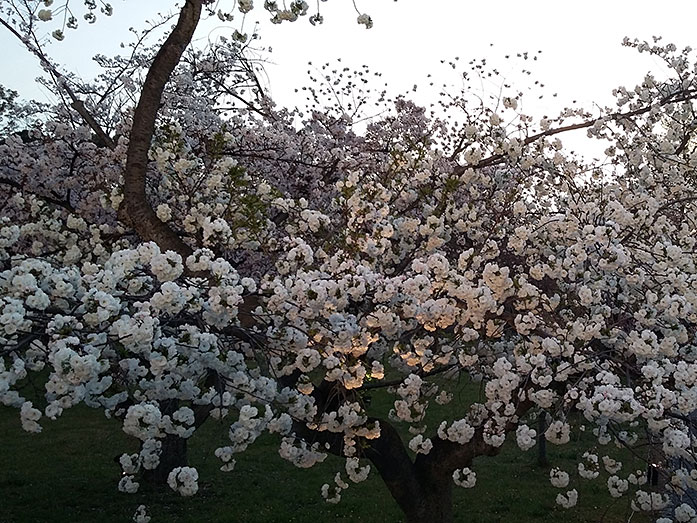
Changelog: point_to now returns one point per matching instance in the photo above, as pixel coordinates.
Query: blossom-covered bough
(230, 264)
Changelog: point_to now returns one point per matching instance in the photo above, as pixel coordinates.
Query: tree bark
(174, 454)
(542, 460)
(435, 505)
(135, 209)
(423, 487)
(423, 491)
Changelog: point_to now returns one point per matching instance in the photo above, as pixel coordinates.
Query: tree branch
(61, 203)
(494, 159)
(136, 209)
(62, 83)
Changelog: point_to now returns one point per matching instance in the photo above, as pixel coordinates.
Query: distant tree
(197, 261)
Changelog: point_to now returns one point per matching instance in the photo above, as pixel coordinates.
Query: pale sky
(581, 58)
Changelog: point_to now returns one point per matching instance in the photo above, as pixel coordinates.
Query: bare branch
(61, 82)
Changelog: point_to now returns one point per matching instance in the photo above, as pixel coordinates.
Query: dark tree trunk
(136, 209)
(435, 502)
(174, 454)
(422, 491)
(423, 488)
(542, 460)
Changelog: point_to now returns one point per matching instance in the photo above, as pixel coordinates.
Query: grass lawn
(68, 474)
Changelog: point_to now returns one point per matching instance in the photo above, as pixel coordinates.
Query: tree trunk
(174, 454)
(423, 488)
(423, 491)
(136, 209)
(434, 504)
(542, 460)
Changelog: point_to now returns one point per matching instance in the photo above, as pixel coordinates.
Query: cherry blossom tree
(275, 268)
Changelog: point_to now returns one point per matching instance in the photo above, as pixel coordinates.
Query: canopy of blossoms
(321, 264)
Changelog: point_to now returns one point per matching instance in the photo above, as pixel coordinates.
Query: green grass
(68, 473)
